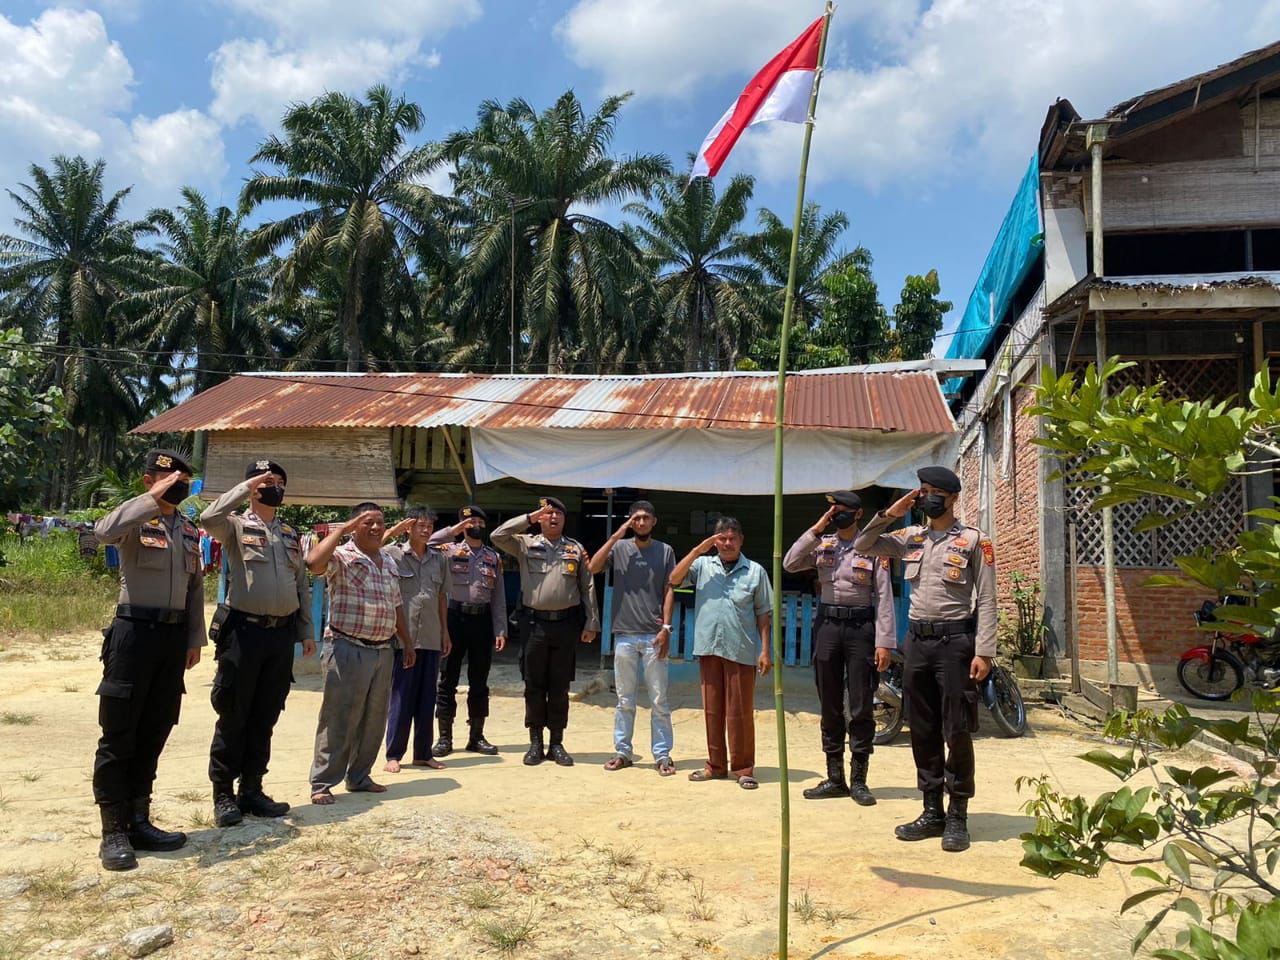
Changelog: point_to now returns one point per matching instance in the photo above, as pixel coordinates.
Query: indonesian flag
(778, 92)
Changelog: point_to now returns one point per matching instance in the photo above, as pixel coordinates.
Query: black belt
(360, 641)
(129, 611)
(836, 612)
(263, 620)
(941, 628)
(471, 608)
(551, 616)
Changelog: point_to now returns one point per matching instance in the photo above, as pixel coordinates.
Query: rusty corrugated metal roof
(890, 400)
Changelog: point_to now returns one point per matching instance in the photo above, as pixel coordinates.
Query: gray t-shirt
(639, 582)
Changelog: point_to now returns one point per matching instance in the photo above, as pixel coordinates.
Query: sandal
(618, 763)
(666, 767)
(703, 775)
(322, 798)
(748, 782)
(370, 787)
(431, 764)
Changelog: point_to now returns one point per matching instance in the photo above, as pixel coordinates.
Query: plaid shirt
(362, 599)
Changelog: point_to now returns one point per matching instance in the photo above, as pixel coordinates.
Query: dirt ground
(489, 857)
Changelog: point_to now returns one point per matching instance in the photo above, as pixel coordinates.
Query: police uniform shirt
(423, 581)
(159, 561)
(847, 578)
(952, 573)
(553, 573)
(266, 568)
(476, 575)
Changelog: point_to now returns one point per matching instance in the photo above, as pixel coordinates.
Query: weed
(623, 897)
(701, 908)
(63, 656)
(70, 688)
(832, 917)
(31, 776)
(684, 874)
(508, 935)
(191, 796)
(343, 951)
(586, 844)
(804, 908)
(480, 898)
(704, 943)
(201, 820)
(13, 719)
(52, 885)
(4, 800)
(620, 858)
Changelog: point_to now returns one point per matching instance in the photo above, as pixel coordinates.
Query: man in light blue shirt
(731, 641)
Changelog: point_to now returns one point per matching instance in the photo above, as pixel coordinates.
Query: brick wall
(1154, 624)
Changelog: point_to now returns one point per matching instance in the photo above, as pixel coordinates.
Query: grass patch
(201, 820)
(509, 935)
(700, 908)
(808, 910)
(480, 898)
(39, 570)
(31, 776)
(11, 718)
(191, 796)
(71, 688)
(619, 858)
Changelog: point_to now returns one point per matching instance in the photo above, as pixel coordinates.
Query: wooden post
(457, 461)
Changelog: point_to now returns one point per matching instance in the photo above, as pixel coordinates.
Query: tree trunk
(553, 345)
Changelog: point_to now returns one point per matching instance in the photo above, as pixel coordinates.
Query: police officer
(558, 590)
(158, 631)
(854, 632)
(477, 626)
(951, 642)
(268, 609)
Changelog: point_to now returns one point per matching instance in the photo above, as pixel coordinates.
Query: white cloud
(440, 180)
(319, 45)
(175, 149)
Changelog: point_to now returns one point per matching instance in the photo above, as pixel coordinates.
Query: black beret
(642, 506)
(256, 467)
(166, 461)
(939, 477)
(845, 498)
(552, 502)
(470, 511)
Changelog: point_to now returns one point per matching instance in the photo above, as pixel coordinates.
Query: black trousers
(138, 703)
(942, 709)
(472, 636)
(844, 653)
(255, 669)
(550, 653)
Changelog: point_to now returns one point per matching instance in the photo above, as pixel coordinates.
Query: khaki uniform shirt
(423, 581)
(159, 561)
(952, 574)
(476, 575)
(553, 573)
(847, 578)
(266, 568)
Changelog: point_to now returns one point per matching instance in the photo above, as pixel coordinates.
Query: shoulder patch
(884, 563)
(988, 552)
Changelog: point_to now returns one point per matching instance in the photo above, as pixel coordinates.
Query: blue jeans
(628, 652)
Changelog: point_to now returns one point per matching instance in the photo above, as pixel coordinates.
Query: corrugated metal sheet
(895, 401)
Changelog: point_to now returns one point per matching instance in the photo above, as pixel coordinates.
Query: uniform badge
(958, 559)
(918, 538)
(466, 513)
(262, 465)
(164, 461)
(884, 562)
(988, 552)
(571, 566)
(543, 502)
(157, 542)
(953, 573)
(961, 542)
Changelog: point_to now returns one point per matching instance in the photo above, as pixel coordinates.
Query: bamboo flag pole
(784, 867)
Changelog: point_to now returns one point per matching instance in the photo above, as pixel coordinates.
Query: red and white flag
(778, 92)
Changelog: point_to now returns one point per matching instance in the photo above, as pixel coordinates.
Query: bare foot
(392, 766)
(322, 798)
(431, 764)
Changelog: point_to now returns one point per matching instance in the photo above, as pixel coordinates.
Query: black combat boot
(116, 852)
(145, 835)
(444, 745)
(955, 835)
(476, 743)
(858, 782)
(557, 752)
(254, 802)
(834, 785)
(928, 824)
(535, 754)
(225, 809)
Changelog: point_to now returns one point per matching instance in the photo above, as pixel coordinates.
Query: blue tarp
(1010, 259)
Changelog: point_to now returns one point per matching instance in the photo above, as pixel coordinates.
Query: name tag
(250, 540)
(958, 559)
(155, 542)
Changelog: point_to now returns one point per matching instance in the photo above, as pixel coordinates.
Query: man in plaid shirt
(365, 621)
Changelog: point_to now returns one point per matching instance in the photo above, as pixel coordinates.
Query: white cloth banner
(733, 462)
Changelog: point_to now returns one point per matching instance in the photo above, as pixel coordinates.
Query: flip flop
(666, 767)
(322, 798)
(618, 763)
(370, 787)
(748, 783)
(703, 775)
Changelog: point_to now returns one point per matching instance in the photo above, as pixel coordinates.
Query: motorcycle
(1216, 670)
(999, 691)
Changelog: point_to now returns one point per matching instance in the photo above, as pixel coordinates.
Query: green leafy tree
(853, 319)
(30, 418)
(918, 316)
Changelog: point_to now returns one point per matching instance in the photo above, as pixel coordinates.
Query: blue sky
(929, 111)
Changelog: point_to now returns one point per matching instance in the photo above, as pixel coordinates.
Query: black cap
(552, 502)
(845, 498)
(256, 467)
(641, 506)
(470, 512)
(166, 461)
(939, 477)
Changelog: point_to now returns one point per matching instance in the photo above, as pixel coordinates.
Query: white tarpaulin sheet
(733, 462)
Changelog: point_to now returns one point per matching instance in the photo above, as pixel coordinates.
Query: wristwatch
(666, 626)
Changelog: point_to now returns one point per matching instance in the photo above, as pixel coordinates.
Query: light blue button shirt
(725, 608)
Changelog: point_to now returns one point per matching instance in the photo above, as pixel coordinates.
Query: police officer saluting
(477, 626)
(951, 642)
(854, 633)
(556, 586)
(158, 631)
(268, 609)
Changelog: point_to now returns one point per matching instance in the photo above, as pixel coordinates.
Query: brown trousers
(728, 702)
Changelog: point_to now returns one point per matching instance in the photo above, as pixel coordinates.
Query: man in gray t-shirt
(641, 626)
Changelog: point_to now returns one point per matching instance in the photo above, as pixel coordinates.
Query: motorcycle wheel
(1214, 679)
(888, 719)
(1009, 711)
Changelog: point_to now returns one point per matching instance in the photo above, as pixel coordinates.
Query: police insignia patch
(962, 542)
(884, 562)
(953, 573)
(164, 461)
(988, 552)
(263, 464)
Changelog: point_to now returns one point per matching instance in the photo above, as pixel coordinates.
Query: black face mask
(845, 519)
(271, 496)
(177, 493)
(477, 533)
(934, 505)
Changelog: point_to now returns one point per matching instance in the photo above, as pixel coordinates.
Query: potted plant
(1026, 637)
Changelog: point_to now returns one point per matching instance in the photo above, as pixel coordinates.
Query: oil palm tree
(367, 214)
(531, 181)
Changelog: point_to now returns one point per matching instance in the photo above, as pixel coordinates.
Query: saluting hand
(825, 519)
(902, 507)
(259, 480)
(708, 543)
(163, 483)
(540, 514)
(622, 530)
(350, 525)
(400, 527)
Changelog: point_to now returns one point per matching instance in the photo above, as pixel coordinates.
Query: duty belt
(941, 628)
(472, 608)
(128, 611)
(837, 612)
(263, 620)
(554, 615)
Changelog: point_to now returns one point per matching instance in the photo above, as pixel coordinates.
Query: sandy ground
(585, 862)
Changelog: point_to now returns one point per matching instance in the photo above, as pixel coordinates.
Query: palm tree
(530, 181)
(694, 237)
(368, 216)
